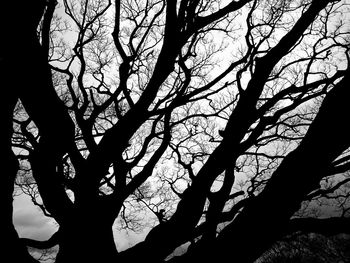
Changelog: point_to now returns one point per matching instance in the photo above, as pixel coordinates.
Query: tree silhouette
(220, 125)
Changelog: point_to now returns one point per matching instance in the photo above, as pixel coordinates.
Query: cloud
(29, 221)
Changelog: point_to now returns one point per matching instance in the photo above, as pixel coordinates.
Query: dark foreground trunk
(11, 247)
(87, 237)
(265, 220)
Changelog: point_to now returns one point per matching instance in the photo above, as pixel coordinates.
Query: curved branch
(46, 244)
(45, 34)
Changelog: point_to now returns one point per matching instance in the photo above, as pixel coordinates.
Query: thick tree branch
(11, 245)
(202, 22)
(325, 226)
(45, 33)
(289, 185)
(56, 130)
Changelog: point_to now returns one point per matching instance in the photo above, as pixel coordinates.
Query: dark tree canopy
(216, 126)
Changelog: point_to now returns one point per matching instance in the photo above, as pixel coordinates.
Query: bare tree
(214, 123)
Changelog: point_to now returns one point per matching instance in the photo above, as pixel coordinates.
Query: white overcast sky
(30, 222)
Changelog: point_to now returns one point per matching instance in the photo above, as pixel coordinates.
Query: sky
(30, 222)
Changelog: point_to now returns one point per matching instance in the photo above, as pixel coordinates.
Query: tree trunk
(11, 247)
(87, 237)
